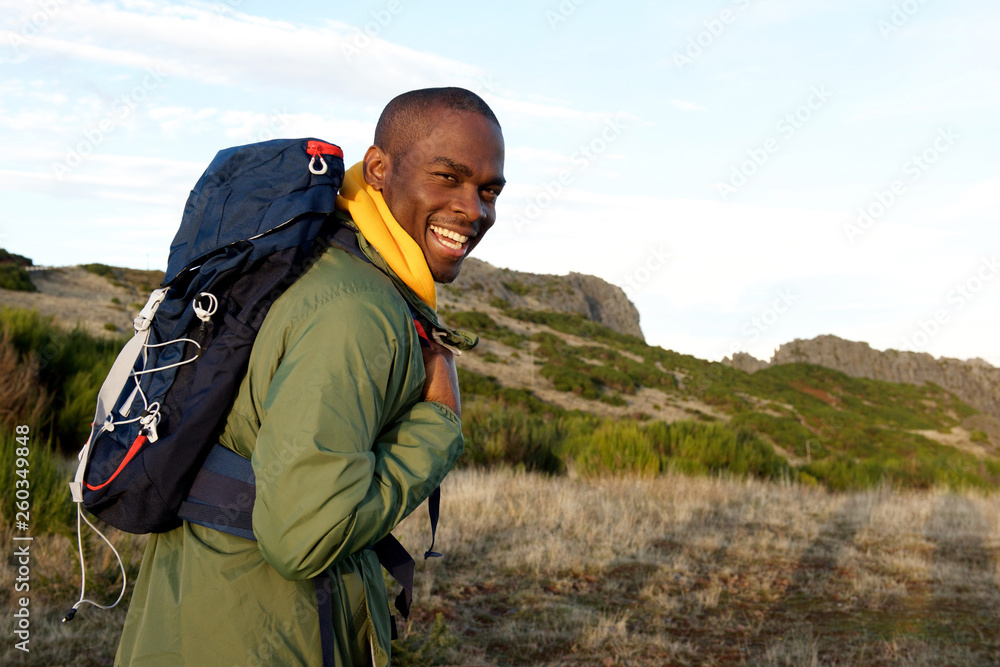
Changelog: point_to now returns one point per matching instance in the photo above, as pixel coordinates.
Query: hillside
(656, 564)
(567, 352)
(101, 299)
(975, 381)
(589, 296)
(842, 428)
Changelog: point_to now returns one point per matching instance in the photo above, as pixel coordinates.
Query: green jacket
(343, 448)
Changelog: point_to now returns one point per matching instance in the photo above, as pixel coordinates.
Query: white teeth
(454, 236)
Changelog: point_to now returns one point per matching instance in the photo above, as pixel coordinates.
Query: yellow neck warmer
(370, 213)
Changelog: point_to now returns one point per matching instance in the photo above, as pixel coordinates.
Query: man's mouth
(450, 239)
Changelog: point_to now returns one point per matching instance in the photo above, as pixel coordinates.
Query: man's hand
(442, 377)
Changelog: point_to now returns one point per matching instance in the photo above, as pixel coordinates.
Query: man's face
(443, 191)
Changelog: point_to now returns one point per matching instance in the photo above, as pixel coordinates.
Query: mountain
(562, 365)
(589, 296)
(975, 381)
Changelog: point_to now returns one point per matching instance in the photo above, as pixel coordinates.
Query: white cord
(83, 569)
(179, 363)
(205, 314)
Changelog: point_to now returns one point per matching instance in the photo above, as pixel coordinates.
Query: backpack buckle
(145, 316)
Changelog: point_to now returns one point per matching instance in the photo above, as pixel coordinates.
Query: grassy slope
(663, 570)
(845, 432)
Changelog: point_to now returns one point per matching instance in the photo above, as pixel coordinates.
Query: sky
(748, 171)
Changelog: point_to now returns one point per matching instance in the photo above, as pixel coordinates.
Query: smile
(448, 238)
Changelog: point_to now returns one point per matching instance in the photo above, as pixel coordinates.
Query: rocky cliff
(975, 381)
(589, 296)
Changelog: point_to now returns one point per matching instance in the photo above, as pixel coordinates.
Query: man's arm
(442, 377)
(346, 449)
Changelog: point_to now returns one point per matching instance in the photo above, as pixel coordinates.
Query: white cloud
(244, 51)
(684, 105)
(146, 179)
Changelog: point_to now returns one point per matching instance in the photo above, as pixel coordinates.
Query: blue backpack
(249, 230)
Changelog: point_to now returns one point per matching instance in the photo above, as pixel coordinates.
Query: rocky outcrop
(745, 362)
(975, 381)
(589, 296)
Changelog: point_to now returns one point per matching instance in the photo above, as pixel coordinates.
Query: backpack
(248, 231)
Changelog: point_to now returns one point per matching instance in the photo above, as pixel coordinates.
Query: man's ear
(376, 167)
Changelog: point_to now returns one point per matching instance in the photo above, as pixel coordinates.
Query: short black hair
(407, 118)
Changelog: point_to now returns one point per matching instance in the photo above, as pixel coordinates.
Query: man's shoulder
(337, 279)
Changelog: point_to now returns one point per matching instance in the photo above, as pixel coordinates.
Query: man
(349, 423)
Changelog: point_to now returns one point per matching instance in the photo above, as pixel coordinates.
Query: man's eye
(492, 193)
(448, 177)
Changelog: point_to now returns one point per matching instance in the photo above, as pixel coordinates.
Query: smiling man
(440, 171)
(348, 420)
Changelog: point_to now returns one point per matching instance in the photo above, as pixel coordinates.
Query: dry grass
(22, 400)
(666, 571)
(696, 571)
(92, 637)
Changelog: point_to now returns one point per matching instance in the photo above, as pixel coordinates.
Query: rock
(745, 362)
(975, 381)
(592, 297)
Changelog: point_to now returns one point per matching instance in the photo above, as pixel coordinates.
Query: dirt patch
(74, 297)
(960, 439)
(822, 395)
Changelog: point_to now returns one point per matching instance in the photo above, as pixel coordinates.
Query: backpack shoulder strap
(222, 498)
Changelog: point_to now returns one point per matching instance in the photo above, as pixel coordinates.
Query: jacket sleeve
(346, 449)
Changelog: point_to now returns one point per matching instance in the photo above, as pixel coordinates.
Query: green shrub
(495, 434)
(786, 432)
(578, 325)
(485, 326)
(51, 508)
(979, 436)
(14, 277)
(573, 381)
(616, 399)
(518, 288)
(102, 270)
(714, 447)
(426, 647)
(473, 384)
(622, 447)
(72, 367)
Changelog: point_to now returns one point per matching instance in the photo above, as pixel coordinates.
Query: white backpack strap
(114, 383)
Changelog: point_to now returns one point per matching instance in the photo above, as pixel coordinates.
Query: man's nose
(468, 203)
